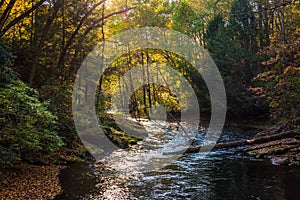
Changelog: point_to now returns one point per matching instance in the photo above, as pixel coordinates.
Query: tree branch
(21, 17)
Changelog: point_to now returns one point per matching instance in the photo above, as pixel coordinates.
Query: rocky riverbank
(280, 143)
(283, 151)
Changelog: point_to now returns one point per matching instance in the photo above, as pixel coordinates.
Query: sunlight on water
(147, 157)
(222, 174)
(149, 154)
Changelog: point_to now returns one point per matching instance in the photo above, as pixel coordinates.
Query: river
(222, 174)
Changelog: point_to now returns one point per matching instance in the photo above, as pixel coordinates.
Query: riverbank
(25, 181)
(21, 180)
(30, 182)
(283, 151)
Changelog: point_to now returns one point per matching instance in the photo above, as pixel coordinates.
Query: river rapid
(142, 173)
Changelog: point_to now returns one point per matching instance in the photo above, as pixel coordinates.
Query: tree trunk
(148, 78)
(43, 38)
(74, 34)
(239, 143)
(6, 13)
(144, 85)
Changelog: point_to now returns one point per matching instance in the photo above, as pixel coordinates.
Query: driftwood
(233, 144)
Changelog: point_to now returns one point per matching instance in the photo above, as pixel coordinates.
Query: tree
(232, 45)
(279, 84)
(283, 48)
(186, 20)
(6, 24)
(242, 29)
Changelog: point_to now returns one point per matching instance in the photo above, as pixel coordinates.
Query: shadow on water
(77, 182)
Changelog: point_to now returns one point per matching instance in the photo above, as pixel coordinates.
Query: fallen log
(233, 144)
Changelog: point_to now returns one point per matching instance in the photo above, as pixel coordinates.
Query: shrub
(27, 128)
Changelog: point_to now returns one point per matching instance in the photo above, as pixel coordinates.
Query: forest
(255, 45)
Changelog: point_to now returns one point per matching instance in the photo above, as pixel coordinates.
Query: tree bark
(148, 78)
(144, 85)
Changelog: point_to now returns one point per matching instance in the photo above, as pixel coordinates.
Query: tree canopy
(254, 43)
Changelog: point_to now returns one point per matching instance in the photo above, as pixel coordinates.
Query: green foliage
(6, 73)
(190, 22)
(282, 92)
(242, 24)
(186, 20)
(241, 38)
(219, 44)
(27, 128)
(60, 96)
(151, 13)
(232, 45)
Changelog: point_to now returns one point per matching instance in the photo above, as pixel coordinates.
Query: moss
(276, 150)
(133, 141)
(258, 155)
(120, 138)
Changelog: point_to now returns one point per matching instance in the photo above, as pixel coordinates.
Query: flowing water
(222, 174)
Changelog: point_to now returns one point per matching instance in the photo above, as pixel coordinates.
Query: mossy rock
(119, 138)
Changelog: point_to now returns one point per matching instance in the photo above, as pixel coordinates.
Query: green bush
(27, 128)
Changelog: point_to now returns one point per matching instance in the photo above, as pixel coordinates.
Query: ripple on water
(222, 174)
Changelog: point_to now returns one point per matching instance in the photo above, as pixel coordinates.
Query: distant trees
(256, 34)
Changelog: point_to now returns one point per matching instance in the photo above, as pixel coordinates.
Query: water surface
(222, 174)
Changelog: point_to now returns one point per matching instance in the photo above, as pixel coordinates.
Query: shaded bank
(30, 182)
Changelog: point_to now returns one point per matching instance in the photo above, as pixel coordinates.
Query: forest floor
(30, 182)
